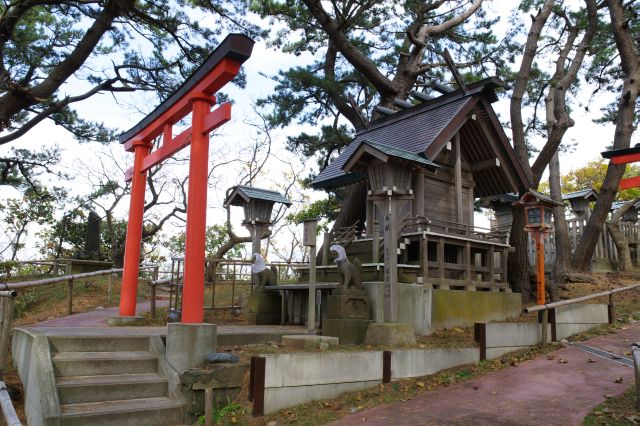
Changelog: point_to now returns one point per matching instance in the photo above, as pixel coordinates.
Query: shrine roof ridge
(257, 193)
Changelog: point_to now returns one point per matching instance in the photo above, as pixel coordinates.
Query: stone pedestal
(390, 334)
(189, 344)
(347, 316)
(264, 307)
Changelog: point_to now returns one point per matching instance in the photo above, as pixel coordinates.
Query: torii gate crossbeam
(194, 96)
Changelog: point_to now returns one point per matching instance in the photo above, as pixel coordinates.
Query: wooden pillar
(375, 243)
(195, 233)
(441, 264)
(418, 192)
(490, 264)
(424, 259)
(370, 217)
(134, 232)
(457, 171)
(468, 261)
(390, 261)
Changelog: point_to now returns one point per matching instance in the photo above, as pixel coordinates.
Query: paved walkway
(84, 322)
(97, 318)
(542, 391)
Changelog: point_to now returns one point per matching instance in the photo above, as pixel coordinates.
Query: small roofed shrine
(580, 201)
(257, 204)
(425, 165)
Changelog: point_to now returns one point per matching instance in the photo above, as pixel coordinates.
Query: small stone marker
(304, 341)
(216, 357)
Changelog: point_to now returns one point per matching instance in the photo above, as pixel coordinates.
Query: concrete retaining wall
(429, 310)
(460, 308)
(32, 358)
(501, 338)
(298, 378)
(422, 362)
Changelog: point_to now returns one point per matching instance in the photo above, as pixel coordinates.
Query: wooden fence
(605, 251)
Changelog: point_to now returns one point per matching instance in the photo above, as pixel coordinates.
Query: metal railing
(635, 353)
(69, 279)
(219, 273)
(551, 306)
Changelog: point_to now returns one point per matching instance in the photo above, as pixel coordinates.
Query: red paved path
(97, 318)
(537, 392)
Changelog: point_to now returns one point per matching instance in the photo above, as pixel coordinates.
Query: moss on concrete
(455, 308)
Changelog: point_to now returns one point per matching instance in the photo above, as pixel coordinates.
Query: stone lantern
(257, 204)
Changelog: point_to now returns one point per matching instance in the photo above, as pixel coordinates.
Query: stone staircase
(108, 380)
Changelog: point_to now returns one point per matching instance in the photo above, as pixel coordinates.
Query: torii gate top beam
(208, 78)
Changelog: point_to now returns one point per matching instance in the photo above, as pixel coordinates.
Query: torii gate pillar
(195, 96)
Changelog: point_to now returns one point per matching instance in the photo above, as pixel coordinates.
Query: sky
(127, 109)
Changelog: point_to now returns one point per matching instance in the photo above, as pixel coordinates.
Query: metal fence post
(109, 286)
(635, 352)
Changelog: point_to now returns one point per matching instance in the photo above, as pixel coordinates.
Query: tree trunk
(518, 261)
(354, 208)
(630, 64)
(622, 245)
(562, 263)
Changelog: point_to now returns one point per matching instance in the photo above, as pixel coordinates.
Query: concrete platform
(228, 335)
(309, 342)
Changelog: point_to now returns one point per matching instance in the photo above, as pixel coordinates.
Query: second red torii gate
(625, 156)
(194, 96)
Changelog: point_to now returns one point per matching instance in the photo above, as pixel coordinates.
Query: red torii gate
(195, 95)
(625, 156)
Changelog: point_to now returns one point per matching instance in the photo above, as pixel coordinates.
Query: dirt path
(543, 391)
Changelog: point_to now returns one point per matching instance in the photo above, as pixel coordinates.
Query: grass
(615, 411)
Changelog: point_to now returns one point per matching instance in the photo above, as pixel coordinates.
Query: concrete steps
(141, 411)
(99, 363)
(81, 389)
(110, 380)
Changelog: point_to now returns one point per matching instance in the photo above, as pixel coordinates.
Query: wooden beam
(454, 70)
(167, 150)
(628, 183)
(457, 170)
(499, 157)
(217, 117)
(481, 165)
(625, 159)
(224, 72)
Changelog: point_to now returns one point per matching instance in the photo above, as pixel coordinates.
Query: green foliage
(592, 175)
(216, 236)
(327, 209)
(230, 410)
(142, 44)
(377, 30)
(35, 206)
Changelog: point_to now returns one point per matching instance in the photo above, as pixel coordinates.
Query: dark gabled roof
(588, 194)
(241, 194)
(492, 200)
(414, 133)
(426, 127)
(617, 204)
(393, 151)
(533, 195)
